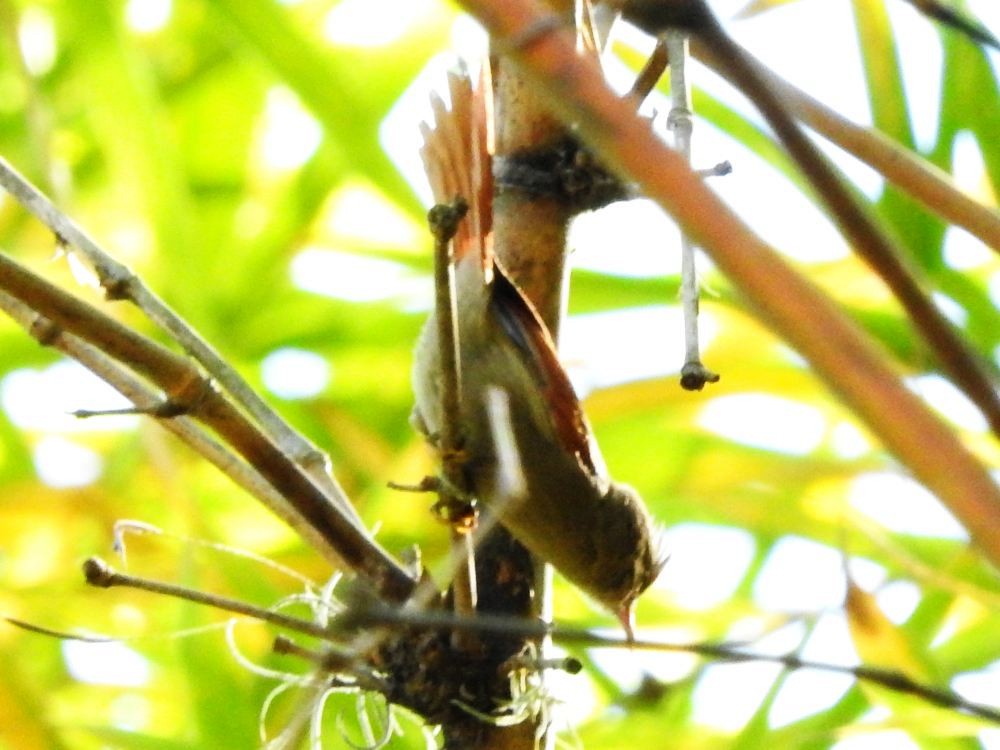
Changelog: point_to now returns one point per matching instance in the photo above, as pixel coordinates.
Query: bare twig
(191, 393)
(99, 573)
(59, 634)
(333, 661)
(120, 283)
(651, 73)
(694, 375)
(444, 220)
(892, 679)
(793, 307)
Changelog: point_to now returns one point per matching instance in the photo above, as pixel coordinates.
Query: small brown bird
(595, 531)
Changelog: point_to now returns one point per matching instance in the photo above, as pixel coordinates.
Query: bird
(595, 531)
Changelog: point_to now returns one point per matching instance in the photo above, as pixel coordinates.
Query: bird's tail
(458, 161)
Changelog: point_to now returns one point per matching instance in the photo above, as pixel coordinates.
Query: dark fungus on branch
(564, 171)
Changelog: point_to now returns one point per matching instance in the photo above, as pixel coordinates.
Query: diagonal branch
(190, 393)
(918, 177)
(965, 367)
(185, 428)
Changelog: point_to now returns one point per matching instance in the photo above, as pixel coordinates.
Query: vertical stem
(443, 220)
(530, 231)
(693, 373)
(679, 122)
(529, 235)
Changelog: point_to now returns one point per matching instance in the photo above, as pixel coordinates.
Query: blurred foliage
(156, 141)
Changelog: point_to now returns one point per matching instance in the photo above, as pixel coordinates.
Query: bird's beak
(626, 616)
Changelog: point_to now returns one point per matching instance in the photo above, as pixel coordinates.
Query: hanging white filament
(389, 726)
(287, 677)
(316, 721)
(130, 526)
(289, 738)
(123, 526)
(323, 612)
(265, 709)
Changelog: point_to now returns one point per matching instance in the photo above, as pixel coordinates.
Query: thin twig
(651, 73)
(892, 679)
(333, 661)
(58, 634)
(190, 393)
(444, 220)
(694, 375)
(99, 573)
(120, 283)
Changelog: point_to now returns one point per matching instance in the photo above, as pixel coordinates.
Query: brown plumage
(596, 532)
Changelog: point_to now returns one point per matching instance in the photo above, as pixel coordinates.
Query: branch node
(694, 376)
(116, 288)
(444, 218)
(564, 171)
(99, 573)
(719, 170)
(44, 331)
